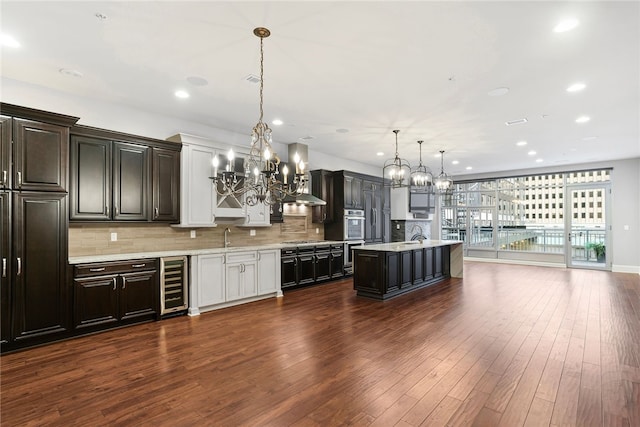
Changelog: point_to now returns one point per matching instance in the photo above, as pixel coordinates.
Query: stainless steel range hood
(304, 198)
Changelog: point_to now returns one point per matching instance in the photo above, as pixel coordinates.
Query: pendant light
(259, 183)
(443, 182)
(396, 172)
(421, 176)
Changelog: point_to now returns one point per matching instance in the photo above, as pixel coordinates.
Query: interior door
(588, 225)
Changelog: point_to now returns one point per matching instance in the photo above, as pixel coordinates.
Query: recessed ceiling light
(8, 41)
(499, 91)
(576, 87)
(69, 72)
(539, 160)
(342, 130)
(276, 122)
(566, 25)
(468, 168)
(379, 153)
(583, 119)
(521, 143)
(181, 94)
(531, 153)
(455, 162)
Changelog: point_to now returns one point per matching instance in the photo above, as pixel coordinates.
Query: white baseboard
(616, 268)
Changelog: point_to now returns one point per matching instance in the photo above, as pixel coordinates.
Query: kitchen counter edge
(86, 259)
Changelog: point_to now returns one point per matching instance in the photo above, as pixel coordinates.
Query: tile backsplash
(95, 239)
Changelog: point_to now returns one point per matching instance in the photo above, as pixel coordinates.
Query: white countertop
(190, 252)
(407, 246)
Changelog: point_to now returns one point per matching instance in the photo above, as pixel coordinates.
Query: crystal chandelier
(258, 182)
(421, 176)
(396, 171)
(443, 182)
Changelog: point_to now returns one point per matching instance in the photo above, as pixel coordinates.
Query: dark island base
(384, 275)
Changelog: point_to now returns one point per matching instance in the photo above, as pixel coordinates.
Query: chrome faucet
(413, 229)
(227, 242)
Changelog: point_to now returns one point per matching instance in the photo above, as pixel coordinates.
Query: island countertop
(407, 246)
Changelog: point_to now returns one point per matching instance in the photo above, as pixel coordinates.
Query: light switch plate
(114, 237)
(252, 232)
(193, 234)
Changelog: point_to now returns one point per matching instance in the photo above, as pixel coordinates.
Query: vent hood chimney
(305, 199)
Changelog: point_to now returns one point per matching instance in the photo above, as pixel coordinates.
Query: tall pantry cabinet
(34, 299)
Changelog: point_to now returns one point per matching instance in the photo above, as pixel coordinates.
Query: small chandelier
(396, 172)
(259, 183)
(421, 176)
(443, 182)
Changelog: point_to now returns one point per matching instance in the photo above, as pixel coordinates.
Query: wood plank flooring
(508, 345)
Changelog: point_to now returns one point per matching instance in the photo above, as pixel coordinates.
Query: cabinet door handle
(138, 265)
(114, 283)
(107, 210)
(4, 267)
(116, 210)
(19, 267)
(97, 269)
(19, 179)
(156, 212)
(4, 177)
(124, 282)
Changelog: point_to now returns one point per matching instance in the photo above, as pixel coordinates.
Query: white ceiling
(370, 67)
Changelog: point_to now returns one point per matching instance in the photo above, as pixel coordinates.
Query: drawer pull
(138, 265)
(97, 269)
(19, 267)
(114, 283)
(4, 267)
(124, 283)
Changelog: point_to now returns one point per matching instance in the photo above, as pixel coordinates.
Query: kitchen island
(390, 269)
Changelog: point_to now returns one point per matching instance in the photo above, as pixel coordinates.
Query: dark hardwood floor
(507, 345)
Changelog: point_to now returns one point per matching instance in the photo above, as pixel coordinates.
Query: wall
(94, 239)
(625, 200)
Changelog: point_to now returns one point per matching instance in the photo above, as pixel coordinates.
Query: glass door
(587, 225)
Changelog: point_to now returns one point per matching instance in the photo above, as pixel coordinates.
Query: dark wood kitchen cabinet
(115, 293)
(166, 185)
(337, 261)
(373, 197)
(39, 298)
(5, 152)
(306, 266)
(322, 263)
(34, 298)
(120, 177)
(322, 187)
(34, 154)
(5, 277)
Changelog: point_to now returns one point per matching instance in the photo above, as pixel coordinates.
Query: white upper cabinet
(197, 198)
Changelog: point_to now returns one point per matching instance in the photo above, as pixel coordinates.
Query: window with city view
(527, 213)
